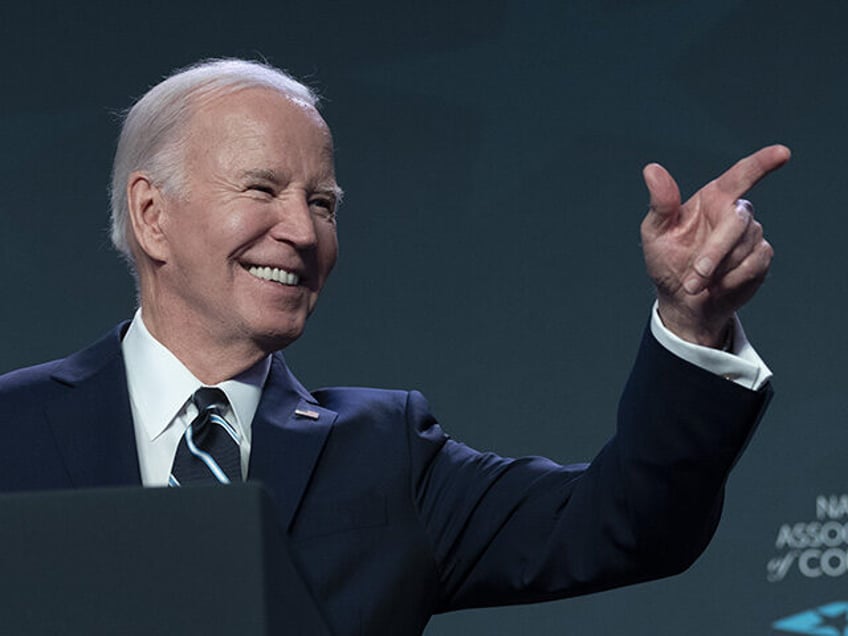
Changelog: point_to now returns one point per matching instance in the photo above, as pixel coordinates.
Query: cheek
(239, 225)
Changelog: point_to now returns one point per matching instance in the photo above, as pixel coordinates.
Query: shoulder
(386, 402)
(25, 392)
(28, 378)
(383, 412)
(37, 380)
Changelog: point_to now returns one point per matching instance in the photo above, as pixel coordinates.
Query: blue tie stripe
(205, 457)
(220, 421)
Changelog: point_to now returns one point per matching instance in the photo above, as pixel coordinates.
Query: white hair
(151, 138)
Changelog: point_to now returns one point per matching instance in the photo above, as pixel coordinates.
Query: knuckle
(743, 216)
(767, 249)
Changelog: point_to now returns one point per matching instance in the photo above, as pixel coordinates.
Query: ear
(147, 206)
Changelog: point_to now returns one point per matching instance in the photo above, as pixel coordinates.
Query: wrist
(686, 325)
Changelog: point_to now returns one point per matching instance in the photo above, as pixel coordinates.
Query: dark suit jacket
(388, 518)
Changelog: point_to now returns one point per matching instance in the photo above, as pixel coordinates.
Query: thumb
(664, 193)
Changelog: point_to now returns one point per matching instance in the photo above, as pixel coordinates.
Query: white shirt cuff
(742, 365)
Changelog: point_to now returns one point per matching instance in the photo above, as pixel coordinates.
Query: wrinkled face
(252, 239)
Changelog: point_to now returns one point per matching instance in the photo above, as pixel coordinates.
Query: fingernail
(704, 266)
(692, 285)
(744, 203)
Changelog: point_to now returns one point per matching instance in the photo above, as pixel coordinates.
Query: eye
(323, 207)
(262, 188)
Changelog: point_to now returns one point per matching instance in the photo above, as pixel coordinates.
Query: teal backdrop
(491, 154)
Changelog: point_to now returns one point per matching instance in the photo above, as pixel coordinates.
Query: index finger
(745, 173)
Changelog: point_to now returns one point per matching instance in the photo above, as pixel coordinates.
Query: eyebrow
(262, 174)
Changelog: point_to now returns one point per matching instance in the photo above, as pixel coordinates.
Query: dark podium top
(200, 560)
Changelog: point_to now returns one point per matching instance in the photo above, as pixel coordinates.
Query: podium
(147, 561)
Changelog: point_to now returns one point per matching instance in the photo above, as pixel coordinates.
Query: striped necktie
(209, 450)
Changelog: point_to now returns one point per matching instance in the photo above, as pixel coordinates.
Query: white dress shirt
(160, 389)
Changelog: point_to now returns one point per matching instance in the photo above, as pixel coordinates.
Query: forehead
(259, 122)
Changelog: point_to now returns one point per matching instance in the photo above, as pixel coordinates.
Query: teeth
(275, 274)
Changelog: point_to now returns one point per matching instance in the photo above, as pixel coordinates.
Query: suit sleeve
(506, 531)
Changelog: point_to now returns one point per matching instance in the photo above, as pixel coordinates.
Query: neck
(209, 358)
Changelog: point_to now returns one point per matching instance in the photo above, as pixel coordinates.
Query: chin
(273, 338)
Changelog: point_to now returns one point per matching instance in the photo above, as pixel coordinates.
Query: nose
(295, 223)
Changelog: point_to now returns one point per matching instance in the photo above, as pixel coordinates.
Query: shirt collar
(160, 385)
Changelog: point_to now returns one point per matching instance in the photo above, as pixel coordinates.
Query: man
(224, 200)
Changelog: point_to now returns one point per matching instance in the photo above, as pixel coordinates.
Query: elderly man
(224, 200)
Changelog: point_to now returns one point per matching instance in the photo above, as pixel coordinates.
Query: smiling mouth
(274, 274)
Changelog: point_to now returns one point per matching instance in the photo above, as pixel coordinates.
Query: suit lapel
(91, 417)
(288, 433)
